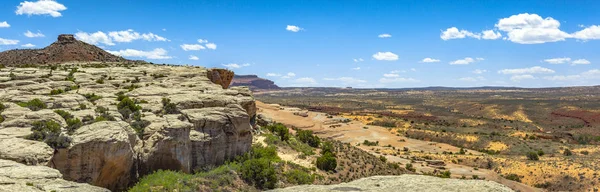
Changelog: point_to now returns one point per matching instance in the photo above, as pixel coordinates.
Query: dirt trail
(356, 132)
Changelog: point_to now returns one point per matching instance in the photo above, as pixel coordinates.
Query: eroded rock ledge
(209, 124)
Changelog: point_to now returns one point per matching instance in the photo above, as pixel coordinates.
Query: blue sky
(391, 44)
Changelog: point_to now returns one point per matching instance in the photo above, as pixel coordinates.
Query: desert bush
(306, 136)
(410, 167)
(533, 156)
(49, 132)
(260, 173)
(280, 130)
(369, 143)
(34, 104)
(513, 177)
(327, 147)
(585, 152)
(567, 152)
(299, 177)
(56, 91)
(168, 107)
(445, 174)
(327, 162)
(382, 158)
(540, 153)
(64, 114)
(73, 124)
(92, 97)
(384, 123)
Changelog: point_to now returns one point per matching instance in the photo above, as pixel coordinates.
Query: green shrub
(34, 104)
(513, 177)
(567, 152)
(100, 81)
(327, 147)
(410, 167)
(300, 147)
(445, 174)
(533, 156)
(168, 107)
(82, 106)
(49, 132)
(64, 114)
(56, 91)
(540, 153)
(73, 124)
(127, 106)
(260, 173)
(370, 143)
(306, 136)
(92, 97)
(280, 130)
(327, 162)
(299, 177)
(382, 158)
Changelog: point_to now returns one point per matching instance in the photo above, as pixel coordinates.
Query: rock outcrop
(254, 82)
(18, 177)
(65, 49)
(404, 183)
(189, 119)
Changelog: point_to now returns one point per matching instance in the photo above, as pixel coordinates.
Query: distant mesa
(254, 82)
(65, 49)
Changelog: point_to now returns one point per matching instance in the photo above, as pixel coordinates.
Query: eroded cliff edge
(189, 117)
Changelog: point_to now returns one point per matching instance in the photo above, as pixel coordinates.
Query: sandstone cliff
(185, 119)
(404, 183)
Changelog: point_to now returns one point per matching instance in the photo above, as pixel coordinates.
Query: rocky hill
(253, 82)
(109, 124)
(403, 183)
(65, 49)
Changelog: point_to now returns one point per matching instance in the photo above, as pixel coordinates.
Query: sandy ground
(355, 132)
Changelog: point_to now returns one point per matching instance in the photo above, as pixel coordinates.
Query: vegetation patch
(34, 104)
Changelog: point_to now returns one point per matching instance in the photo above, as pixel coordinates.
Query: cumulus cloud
(94, 38)
(589, 33)
(293, 28)
(385, 56)
(385, 35)
(40, 7)
(358, 60)
(528, 28)
(193, 57)
(8, 41)
(289, 75)
(4, 24)
(479, 71)
(563, 78)
(202, 41)
(130, 35)
(28, 45)
(235, 65)
(430, 60)
(580, 62)
(558, 60)
(356, 68)
(465, 61)
(211, 46)
(491, 35)
(531, 70)
(518, 78)
(32, 35)
(273, 75)
(346, 80)
(454, 33)
(192, 47)
(391, 75)
(157, 53)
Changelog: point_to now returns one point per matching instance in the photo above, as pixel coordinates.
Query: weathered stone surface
(25, 151)
(222, 77)
(404, 183)
(18, 177)
(101, 154)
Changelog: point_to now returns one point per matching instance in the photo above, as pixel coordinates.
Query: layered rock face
(253, 82)
(206, 125)
(404, 183)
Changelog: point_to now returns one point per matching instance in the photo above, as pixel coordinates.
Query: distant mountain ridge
(253, 82)
(65, 49)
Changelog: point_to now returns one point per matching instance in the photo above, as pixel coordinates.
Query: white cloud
(28, 45)
(385, 56)
(293, 28)
(94, 38)
(235, 65)
(397, 71)
(192, 47)
(491, 35)
(391, 75)
(564, 78)
(470, 79)
(518, 78)
(356, 68)
(591, 74)
(531, 70)
(397, 80)
(202, 41)
(591, 32)
(211, 46)
(130, 35)
(580, 62)
(157, 53)
(413, 69)
(346, 80)
(8, 41)
(358, 60)
(558, 60)
(479, 71)
(528, 28)
(454, 33)
(32, 35)
(465, 61)
(273, 75)
(40, 7)
(289, 75)
(306, 80)
(193, 57)
(385, 35)
(4, 24)
(479, 59)
(430, 60)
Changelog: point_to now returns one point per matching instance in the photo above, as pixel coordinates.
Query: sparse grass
(34, 104)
